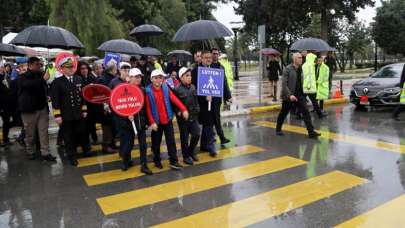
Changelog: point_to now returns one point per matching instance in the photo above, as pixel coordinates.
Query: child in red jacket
(160, 114)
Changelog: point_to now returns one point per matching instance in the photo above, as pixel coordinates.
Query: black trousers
(301, 105)
(187, 129)
(91, 128)
(168, 130)
(8, 123)
(321, 102)
(74, 134)
(217, 123)
(400, 108)
(312, 98)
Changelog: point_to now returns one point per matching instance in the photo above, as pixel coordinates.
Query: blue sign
(170, 82)
(210, 82)
(115, 57)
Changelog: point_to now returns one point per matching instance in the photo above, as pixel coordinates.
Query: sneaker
(158, 165)
(146, 170)
(124, 166)
(108, 150)
(213, 154)
(49, 158)
(314, 135)
(5, 143)
(21, 142)
(188, 161)
(175, 166)
(225, 141)
(395, 118)
(194, 157)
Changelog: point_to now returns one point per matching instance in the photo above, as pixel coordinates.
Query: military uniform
(68, 103)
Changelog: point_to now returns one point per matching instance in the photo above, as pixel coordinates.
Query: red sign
(126, 99)
(63, 55)
(96, 93)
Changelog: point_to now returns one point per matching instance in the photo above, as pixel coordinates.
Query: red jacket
(160, 103)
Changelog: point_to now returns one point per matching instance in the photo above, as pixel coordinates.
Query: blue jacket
(168, 105)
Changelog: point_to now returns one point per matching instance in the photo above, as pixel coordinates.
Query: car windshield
(391, 71)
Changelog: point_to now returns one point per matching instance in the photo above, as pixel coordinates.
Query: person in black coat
(274, 70)
(207, 118)
(33, 105)
(187, 94)
(70, 110)
(124, 126)
(227, 98)
(173, 65)
(107, 123)
(93, 110)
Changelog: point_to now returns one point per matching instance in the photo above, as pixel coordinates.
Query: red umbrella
(270, 51)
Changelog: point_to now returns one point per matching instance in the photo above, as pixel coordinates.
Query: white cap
(125, 64)
(135, 72)
(157, 72)
(183, 70)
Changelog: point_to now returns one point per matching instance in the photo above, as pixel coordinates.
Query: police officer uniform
(68, 103)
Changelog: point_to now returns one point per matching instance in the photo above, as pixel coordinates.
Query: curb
(276, 107)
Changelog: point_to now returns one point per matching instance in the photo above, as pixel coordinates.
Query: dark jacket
(124, 123)
(146, 71)
(8, 94)
(106, 78)
(188, 96)
(273, 68)
(172, 67)
(207, 117)
(67, 100)
(32, 92)
(94, 111)
(289, 82)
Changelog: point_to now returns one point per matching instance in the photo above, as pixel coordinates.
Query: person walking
(292, 93)
(322, 80)
(273, 68)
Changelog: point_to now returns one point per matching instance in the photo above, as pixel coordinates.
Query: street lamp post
(235, 54)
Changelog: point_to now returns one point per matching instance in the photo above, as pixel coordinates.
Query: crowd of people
(30, 90)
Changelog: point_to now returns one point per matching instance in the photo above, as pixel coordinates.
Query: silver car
(380, 89)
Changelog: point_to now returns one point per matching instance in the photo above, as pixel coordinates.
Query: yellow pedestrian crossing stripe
(103, 159)
(266, 205)
(158, 193)
(378, 144)
(118, 175)
(388, 215)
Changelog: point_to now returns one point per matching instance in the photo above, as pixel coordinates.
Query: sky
(225, 14)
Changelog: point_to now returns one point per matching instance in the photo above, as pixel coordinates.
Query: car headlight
(392, 90)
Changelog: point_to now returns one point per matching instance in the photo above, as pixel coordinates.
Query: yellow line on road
(388, 215)
(266, 205)
(158, 193)
(118, 175)
(392, 147)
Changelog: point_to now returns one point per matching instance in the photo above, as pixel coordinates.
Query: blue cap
(21, 60)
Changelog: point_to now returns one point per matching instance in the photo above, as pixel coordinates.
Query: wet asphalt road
(258, 180)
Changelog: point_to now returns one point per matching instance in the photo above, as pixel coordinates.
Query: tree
(388, 28)
(93, 22)
(329, 9)
(358, 38)
(17, 15)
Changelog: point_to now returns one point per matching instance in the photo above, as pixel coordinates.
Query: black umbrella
(121, 46)
(146, 30)
(149, 51)
(180, 54)
(201, 30)
(11, 50)
(313, 44)
(48, 37)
